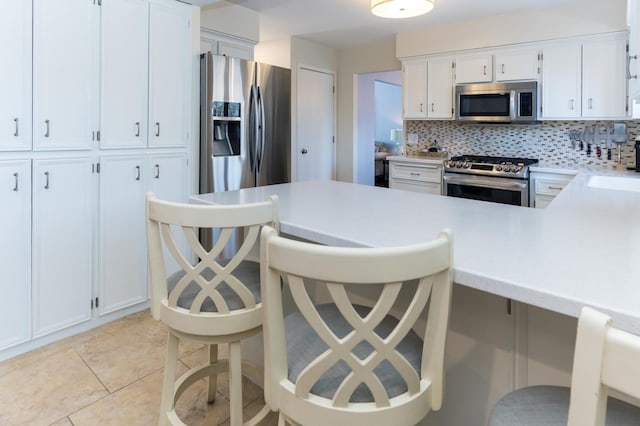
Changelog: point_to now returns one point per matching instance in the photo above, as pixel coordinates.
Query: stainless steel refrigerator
(245, 126)
(245, 135)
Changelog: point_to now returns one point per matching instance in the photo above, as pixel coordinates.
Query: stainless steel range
(498, 179)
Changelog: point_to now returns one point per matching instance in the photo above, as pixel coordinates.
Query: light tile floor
(111, 375)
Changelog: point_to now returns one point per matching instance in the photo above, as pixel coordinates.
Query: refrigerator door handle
(253, 129)
(261, 129)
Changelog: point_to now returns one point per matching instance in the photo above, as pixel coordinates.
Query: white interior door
(315, 154)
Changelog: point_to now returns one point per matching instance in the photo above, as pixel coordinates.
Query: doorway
(379, 122)
(315, 153)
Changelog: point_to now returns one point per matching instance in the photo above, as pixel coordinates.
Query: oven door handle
(498, 183)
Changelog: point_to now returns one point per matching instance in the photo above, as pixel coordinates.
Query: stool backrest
(605, 358)
(202, 273)
(422, 269)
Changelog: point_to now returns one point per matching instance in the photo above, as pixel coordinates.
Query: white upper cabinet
(474, 68)
(517, 65)
(604, 82)
(63, 214)
(15, 84)
(169, 73)
(223, 44)
(124, 73)
(561, 81)
(65, 76)
(440, 88)
(414, 83)
(633, 22)
(15, 252)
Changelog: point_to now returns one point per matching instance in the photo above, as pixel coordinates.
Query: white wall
(351, 62)
(587, 17)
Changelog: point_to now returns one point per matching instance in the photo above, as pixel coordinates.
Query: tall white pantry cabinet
(96, 111)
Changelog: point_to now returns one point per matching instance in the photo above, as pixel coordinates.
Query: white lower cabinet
(124, 181)
(122, 269)
(416, 176)
(63, 223)
(15, 252)
(545, 187)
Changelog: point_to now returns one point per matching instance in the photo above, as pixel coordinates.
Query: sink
(615, 182)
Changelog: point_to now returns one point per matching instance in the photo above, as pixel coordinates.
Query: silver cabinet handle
(556, 188)
(421, 107)
(432, 106)
(157, 128)
(16, 132)
(15, 176)
(157, 167)
(46, 133)
(571, 102)
(590, 103)
(46, 182)
(502, 70)
(137, 172)
(414, 174)
(137, 128)
(629, 58)
(484, 70)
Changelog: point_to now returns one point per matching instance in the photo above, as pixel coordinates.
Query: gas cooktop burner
(490, 166)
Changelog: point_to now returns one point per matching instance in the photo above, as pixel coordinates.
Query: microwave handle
(512, 105)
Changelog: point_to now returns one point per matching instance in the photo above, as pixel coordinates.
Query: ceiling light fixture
(400, 8)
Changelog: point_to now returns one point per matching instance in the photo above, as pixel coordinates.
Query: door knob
(304, 151)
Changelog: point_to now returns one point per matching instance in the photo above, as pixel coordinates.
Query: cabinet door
(15, 84)
(414, 89)
(15, 252)
(561, 81)
(517, 65)
(122, 271)
(604, 84)
(65, 73)
(62, 243)
(167, 179)
(474, 69)
(440, 88)
(124, 71)
(633, 22)
(169, 73)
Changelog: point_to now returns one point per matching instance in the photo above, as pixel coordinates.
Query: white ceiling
(345, 23)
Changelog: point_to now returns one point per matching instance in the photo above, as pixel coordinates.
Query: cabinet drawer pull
(46, 132)
(137, 172)
(137, 128)
(157, 128)
(157, 167)
(415, 174)
(557, 188)
(16, 132)
(15, 176)
(46, 182)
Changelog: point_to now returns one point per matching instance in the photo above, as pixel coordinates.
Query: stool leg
(168, 385)
(213, 379)
(235, 384)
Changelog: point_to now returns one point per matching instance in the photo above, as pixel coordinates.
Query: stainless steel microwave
(515, 102)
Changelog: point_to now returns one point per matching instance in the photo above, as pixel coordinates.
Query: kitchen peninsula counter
(583, 249)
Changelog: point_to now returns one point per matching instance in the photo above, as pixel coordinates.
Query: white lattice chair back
(219, 302)
(605, 358)
(342, 363)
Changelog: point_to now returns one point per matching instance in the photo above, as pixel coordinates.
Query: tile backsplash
(547, 141)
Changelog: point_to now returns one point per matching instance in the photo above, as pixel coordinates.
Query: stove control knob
(458, 164)
(467, 165)
(498, 168)
(517, 169)
(507, 169)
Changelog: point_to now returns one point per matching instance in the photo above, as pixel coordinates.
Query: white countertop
(583, 249)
